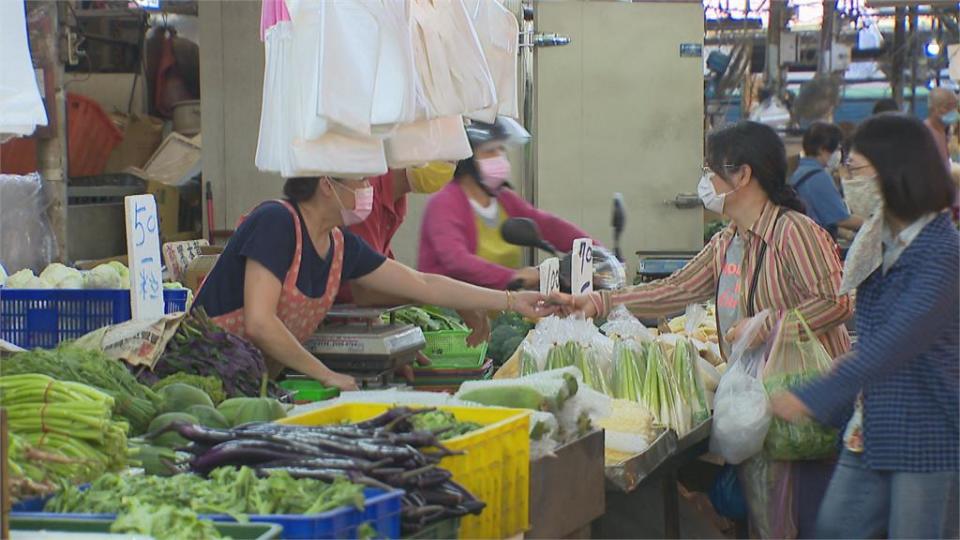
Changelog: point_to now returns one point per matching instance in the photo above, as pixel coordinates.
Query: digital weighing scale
(355, 341)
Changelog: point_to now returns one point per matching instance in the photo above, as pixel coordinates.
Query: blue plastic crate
(34, 318)
(381, 511)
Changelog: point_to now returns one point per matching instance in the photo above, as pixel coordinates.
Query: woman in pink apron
(281, 270)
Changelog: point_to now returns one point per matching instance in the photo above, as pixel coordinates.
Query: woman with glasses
(897, 392)
(771, 257)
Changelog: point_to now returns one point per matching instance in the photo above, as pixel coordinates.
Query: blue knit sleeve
(911, 327)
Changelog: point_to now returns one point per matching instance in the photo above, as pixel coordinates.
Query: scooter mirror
(524, 232)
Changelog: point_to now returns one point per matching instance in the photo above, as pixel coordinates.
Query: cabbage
(104, 276)
(25, 279)
(124, 273)
(3, 276)
(59, 276)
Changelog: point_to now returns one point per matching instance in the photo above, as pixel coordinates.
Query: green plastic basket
(309, 390)
(237, 531)
(447, 349)
(442, 530)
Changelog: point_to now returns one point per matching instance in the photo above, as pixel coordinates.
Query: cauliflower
(104, 276)
(25, 279)
(59, 276)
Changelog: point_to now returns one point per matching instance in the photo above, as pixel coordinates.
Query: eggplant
(241, 452)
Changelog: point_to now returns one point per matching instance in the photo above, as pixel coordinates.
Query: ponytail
(788, 197)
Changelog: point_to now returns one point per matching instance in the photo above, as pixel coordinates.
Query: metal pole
(915, 51)
(899, 41)
(825, 59)
(774, 27)
(43, 19)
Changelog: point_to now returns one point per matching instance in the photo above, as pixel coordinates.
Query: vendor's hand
(345, 383)
(738, 329)
(532, 305)
(787, 406)
(479, 325)
(582, 304)
(406, 371)
(530, 277)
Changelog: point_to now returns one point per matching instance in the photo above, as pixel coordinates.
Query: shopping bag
(768, 491)
(727, 496)
(796, 357)
(741, 413)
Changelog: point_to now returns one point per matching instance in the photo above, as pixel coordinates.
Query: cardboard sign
(550, 276)
(178, 256)
(581, 267)
(143, 249)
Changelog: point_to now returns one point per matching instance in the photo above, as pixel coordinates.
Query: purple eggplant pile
(385, 452)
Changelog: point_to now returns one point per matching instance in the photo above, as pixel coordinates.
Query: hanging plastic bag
(768, 489)
(423, 141)
(274, 137)
(395, 90)
(498, 32)
(796, 357)
(741, 414)
(21, 108)
(26, 238)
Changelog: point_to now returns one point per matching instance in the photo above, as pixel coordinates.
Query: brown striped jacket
(801, 269)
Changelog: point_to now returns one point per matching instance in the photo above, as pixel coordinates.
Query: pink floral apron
(301, 314)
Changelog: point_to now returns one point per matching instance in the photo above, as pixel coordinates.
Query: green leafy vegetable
(444, 423)
(804, 440)
(162, 522)
(211, 385)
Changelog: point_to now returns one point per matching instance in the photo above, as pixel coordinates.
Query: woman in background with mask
(771, 257)
(460, 232)
(281, 270)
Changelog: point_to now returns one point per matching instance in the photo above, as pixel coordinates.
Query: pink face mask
(494, 172)
(363, 204)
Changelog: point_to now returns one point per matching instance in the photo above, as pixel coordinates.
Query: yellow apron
(493, 248)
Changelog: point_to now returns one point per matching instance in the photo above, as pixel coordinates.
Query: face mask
(494, 172)
(363, 204)
(951, 118)
(834, 162)
(431, 177)
(871, 196)
(712, 200)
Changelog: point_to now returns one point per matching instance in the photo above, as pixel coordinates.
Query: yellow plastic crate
(495, 466)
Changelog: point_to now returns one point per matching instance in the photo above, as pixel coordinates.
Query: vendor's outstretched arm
(261, 296)
(445, 292)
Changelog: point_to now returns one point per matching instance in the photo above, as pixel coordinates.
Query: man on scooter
(460, 232)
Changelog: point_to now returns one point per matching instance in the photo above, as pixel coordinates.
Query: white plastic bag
(741, 413)
(395, 91)
(621, 323)
(499, 32)
(274, 138)
(21, 109)
(26, 238)
(423, 141)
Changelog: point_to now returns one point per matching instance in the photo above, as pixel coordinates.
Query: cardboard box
(197, 271)
(142, 136)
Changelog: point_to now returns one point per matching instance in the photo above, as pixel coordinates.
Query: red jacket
(448, 236)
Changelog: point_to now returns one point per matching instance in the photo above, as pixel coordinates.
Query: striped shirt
(906, 361)
(801, 270)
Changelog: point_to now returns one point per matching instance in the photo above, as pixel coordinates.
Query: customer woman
(460, 233)
(770, 257)
(282, 268)
(897, 475)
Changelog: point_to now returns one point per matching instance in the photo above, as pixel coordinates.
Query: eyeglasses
(707, 171)
(853, 168)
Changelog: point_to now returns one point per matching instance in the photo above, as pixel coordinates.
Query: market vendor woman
(273, 286)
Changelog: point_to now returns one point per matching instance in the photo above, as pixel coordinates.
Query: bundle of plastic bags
(558, 343)
(741, 410)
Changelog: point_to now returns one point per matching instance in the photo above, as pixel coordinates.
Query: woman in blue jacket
(897, 474)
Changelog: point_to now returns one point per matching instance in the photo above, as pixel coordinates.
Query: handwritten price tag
(581, 267)
(550, 276)
(143, 249)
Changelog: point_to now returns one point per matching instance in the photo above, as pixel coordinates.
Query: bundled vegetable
(133, 401)
(428, 318)
(211, 385)
(628, 369)
(162, 522)
(689, 382)
(386, 452)
(234, 492)
(547, 391)
(660, 393)
(60, 432)
(200, 347)
(507, 333)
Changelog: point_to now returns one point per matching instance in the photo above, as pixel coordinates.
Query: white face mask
(872, 196)
(712, 200)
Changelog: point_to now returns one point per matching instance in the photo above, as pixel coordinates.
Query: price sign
(550, 276)
(143, 249)
(581, 267)
(179, 255)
